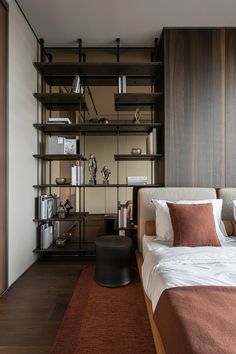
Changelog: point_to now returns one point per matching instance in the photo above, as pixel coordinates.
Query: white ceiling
(136, 22)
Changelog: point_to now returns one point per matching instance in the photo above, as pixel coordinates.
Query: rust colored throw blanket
(197, 320)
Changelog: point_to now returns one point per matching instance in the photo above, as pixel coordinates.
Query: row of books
(46, 206)
(77, 175)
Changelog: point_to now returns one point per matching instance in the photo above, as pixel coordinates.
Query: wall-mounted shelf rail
(112, 185)
(130, 101)
(121, 127)
(130, 157)
(100, 69)
(62, 101)
(71, 217)
(55, 157)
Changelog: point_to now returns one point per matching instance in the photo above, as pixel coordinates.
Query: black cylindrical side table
(113, 256)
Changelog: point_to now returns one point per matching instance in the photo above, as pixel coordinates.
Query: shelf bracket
(118, 50)
(42, 50)
(80, 50)
(156, 49)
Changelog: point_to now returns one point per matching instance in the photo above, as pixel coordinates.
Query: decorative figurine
(92, 166)
(68, 206)
(137, 116)
(105, 174)
(61, 211)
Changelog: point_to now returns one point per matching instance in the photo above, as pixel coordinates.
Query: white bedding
(168, 267)
(149, 243)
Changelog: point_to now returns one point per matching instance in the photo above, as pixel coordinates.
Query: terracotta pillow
(193, 225)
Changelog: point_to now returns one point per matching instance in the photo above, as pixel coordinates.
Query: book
(137, 180)
(59, 120)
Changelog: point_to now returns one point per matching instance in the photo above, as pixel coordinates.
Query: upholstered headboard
(228, 195)
(146, 210)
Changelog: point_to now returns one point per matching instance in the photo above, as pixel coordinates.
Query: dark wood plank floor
(33, 308)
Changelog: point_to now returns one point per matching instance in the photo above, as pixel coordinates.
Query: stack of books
(58, 120)
(137, 180)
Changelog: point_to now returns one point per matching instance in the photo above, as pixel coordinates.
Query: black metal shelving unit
(95, 74)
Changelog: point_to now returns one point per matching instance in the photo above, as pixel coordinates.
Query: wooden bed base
(156, 335)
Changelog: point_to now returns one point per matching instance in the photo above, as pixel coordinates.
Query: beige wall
(22, 144)
(3, 55)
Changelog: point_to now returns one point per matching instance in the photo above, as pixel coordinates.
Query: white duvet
(187, 266)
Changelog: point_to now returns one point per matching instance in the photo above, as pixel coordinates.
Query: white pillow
(164, 230)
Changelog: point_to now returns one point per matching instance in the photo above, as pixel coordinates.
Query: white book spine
(124, 84)
(119, 85)
(154, 148)
(73, 175)
(43, 208)
(80, 175)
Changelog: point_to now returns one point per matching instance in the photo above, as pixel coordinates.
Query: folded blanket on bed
(197, 319)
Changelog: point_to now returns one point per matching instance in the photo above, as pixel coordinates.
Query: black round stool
(113, 256)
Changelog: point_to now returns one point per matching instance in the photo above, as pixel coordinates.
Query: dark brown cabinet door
(194, 107)
(230, 50)
(3, 69)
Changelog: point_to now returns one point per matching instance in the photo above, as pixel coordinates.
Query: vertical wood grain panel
(231, 108)
(194, 107)
(3, 50)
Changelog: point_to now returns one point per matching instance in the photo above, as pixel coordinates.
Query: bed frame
(146, 212)
(155, 333)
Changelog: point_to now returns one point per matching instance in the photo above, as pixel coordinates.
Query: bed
(187, 288)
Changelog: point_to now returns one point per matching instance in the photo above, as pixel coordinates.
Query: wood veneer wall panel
(3, 50)
(230, 107)
(194, 107)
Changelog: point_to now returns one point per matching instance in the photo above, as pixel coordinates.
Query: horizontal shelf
(99, 69)
(142, 157)
(55, 157)
(69, 248)
(71, 217)
(62, 101)
(121, 127)
(113, 185)
(102, 80)
(131, 101)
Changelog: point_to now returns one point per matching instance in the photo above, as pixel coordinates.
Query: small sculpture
(61, 211)
(105, 174)
(137, 116)
(92, 166)
(68, 206)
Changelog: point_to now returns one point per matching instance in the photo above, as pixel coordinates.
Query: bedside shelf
(55, 157)
(62, 101)
(129, 157)
(131, 101)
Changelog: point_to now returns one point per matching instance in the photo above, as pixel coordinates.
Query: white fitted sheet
(149, 244)
(168, 267)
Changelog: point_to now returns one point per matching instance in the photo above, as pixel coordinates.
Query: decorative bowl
(136, 151)
(60, 180)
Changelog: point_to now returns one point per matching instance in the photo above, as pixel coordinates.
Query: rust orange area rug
(103, 320)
